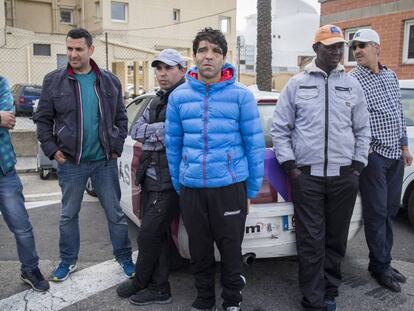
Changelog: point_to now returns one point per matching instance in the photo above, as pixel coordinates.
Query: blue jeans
(72, 181)
(16, 217)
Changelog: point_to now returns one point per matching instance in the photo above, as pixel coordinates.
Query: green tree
(264, 45)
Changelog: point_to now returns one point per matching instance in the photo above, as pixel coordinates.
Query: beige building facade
(127, 34)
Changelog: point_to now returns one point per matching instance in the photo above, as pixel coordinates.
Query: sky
(247, 7)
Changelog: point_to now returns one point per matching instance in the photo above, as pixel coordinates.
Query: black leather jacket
(59, 113)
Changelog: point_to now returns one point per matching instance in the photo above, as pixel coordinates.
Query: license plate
(288, 222)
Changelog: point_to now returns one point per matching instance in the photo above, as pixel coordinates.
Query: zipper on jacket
(205, 138)
(108, 156)
(81, 121)
(325, 165)
(229, 162)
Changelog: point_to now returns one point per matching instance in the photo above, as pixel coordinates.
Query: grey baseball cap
(170, 57)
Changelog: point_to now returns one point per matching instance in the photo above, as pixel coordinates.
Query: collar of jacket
(162, 93)
(227, 77)
(71, 72)
(313, 68)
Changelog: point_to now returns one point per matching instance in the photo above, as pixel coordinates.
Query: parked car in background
(407, 99)
(270, 227)
(23, 97)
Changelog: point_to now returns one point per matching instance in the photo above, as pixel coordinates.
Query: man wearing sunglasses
(381, 180)
(321, 137)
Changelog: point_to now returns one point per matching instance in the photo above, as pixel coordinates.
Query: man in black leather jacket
(82, 124)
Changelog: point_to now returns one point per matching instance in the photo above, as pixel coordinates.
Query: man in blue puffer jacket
(215, 151)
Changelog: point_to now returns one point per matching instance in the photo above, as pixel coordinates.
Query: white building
(294, 24)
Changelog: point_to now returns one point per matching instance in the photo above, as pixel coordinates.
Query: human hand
(293, 174)
(60, 157)
(407, 158)
(8, 119)
(114, 156)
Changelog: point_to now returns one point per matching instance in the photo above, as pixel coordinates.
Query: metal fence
(25, 58)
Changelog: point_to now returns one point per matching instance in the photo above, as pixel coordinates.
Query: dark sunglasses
(361, 45)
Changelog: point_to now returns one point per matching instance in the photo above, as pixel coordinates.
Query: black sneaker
(148, 297)
(127, 288)
(35, 279)
(398, 276)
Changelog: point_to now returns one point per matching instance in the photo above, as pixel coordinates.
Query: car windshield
(407, 99)
(32, 91)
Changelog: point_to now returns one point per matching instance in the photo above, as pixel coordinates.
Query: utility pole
(106, 51)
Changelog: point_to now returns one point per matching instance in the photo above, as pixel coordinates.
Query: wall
(386, 17)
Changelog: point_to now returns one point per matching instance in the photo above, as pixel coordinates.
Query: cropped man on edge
(11, 197)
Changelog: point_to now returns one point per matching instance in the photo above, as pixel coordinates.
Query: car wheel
(410, 207)
(44, 174)
(89, 188)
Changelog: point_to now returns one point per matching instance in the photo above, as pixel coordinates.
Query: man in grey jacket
(321, 138)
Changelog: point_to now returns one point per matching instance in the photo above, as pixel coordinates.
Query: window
(349, 59)
(407, 100)
(66, 16)
(32, 91)
(62, 60)
(98, 10)
(119, 11)
(408, 47)
(41, 49)
(224, 24)
(135, 110)
(176, 15)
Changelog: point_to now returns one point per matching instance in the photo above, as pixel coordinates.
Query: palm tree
(264, 45)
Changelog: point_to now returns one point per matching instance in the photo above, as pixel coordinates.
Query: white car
(407, 99)
(269, 230)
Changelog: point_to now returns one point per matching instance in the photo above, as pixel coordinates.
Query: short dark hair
(78, 33)
(211, 35)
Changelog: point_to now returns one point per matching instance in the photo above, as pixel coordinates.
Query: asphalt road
(271, 284)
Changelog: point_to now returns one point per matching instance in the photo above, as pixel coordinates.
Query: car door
(129, 161)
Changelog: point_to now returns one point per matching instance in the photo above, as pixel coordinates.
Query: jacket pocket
(63, 102)
(307, 92)
(343, 92)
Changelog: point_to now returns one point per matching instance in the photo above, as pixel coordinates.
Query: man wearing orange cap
(321, 138)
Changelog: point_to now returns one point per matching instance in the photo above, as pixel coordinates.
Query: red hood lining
(226, 74)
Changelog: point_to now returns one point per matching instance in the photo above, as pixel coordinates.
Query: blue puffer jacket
(214, 136)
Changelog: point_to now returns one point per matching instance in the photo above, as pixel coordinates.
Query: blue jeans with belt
(15, 215)
(72, 181)
(380, 185)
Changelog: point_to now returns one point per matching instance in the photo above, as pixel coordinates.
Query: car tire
(44, 174)
(89, 188)
(410, 207)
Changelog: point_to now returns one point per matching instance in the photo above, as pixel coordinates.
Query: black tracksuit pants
(153, 263)
(323, 210)
(215, 215)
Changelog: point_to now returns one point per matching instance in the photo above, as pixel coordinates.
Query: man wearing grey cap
(381, 180)
(159, 201)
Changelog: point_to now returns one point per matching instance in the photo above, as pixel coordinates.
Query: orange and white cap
(329, 34)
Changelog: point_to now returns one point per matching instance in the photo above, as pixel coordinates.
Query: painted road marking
(80, 285)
